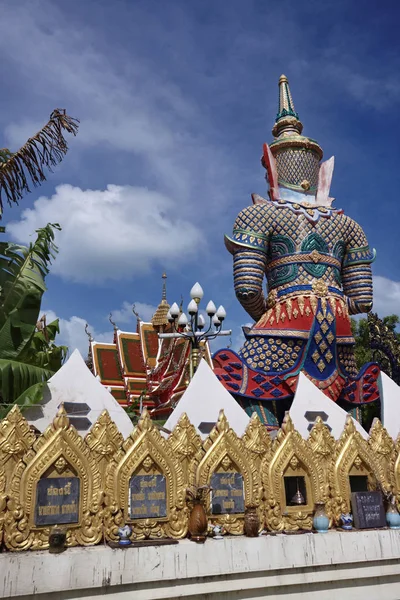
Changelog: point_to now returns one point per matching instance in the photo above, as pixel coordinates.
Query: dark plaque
(147, 497)
(227, 495)
(57, 500)
(368, 510)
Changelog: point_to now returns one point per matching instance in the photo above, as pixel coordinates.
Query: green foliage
(363, 354)
(28, 355)
(360, 331)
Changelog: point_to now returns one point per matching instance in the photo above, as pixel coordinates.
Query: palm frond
(44, 150)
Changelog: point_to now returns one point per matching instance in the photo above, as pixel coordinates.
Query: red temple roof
(138, 365)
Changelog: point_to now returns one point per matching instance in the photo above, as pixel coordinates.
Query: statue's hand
(356, 308)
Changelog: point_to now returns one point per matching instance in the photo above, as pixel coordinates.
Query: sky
(176, 99)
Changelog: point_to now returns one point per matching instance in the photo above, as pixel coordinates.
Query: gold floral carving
(322, 445)
(257, 439)
(3, 501)
(59, 445)
(291, 457)
(104, 439)
(225, 451)
(186, 444)
(145, 452)
(382, 447)
(353, 456)
(16, 438)
(394, 469)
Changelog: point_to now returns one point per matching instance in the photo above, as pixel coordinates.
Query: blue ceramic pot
(347, 521)
(321, 520)
(393, 519)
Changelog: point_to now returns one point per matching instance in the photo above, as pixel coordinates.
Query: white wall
(345, 565)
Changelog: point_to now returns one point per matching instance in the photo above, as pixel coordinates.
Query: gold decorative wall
(156, 506)
(353, 458)
(228, 460)
(58, 455)
(92, 486)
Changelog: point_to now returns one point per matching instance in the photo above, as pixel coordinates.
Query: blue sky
(175, 100)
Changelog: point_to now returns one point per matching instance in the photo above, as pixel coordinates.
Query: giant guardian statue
(317, 264)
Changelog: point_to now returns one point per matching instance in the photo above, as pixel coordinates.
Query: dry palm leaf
(45, 149)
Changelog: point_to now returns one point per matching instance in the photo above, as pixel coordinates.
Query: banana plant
(28, 355)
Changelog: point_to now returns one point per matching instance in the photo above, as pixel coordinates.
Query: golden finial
(61, 420)
(160, 316)
(287, 119)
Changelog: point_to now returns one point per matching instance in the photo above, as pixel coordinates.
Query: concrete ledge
(300, 566)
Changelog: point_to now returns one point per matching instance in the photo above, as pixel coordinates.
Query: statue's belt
(314, 257)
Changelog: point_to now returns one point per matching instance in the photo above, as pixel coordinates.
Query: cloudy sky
(175, 99)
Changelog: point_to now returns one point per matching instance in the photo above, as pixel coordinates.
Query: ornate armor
(317, 265)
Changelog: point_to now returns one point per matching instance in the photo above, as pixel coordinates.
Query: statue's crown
(297, 157)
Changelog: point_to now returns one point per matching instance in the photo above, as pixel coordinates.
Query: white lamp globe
(183, 320)
(192, 307)
(216, 321)
(174, 310)
(211, 309)
(196, 293)
(221, 313)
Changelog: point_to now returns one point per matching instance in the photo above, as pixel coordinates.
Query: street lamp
(194, 328)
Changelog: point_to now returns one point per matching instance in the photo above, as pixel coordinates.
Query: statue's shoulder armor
(256, 217)
(252, 227)
(357, 248)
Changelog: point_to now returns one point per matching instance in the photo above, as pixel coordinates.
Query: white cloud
(124, 103)
(110, 234)
(386, 296)
(125, 313)
(72, 333)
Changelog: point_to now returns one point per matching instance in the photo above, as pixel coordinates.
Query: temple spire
(287, 119)
(159, 318)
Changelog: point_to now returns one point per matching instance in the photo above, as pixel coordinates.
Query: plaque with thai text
(147, 497)
(368, 510)
(57, 500)
(227, 496)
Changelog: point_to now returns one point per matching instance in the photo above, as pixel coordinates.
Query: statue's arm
(356, 271)
(249, 246)
(248, 274)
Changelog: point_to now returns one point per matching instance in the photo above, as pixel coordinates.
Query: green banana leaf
(28, 357)
(31, 396)
(16, 377)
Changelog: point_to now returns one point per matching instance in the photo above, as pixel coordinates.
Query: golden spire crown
(287, 119)
(160, 316)
(297, 156)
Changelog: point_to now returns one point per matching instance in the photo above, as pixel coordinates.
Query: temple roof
(139, 365)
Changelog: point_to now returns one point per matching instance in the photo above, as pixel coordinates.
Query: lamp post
(194, 328)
